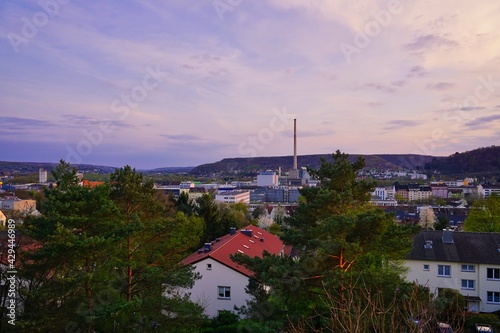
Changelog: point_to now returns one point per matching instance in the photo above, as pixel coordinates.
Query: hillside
(481, 162)
(253, 165)
(33, 167)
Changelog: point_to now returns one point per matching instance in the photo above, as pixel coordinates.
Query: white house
(222, 284)
(468, 262)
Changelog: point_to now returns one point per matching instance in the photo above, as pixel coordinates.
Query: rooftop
(467, 247)
(251, 241)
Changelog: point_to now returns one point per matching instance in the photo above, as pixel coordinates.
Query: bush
(482, 318)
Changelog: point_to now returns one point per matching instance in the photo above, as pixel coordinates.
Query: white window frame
(209, 267)
(468, 268)
(490, 298)
(469, 284)
(495, 273)
(426, 267)
(225, 291)
(442, 270)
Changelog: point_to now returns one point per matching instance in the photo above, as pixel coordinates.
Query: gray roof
(467, 247)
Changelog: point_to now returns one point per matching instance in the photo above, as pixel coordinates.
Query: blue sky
(180, 83)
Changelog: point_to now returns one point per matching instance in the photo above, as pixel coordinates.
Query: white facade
(487, 190)
(42, 175)
(267, 178)
(233, 197)
(470, 279)
(206, 290)
(380, 193)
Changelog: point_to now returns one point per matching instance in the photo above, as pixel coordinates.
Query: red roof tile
(240, 242)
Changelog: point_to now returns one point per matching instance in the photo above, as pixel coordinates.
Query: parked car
(483, 328)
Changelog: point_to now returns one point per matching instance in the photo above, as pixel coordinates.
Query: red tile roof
(240, 242)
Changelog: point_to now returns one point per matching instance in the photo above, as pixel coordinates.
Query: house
(222, 283)
(16, 204)
(468, 262)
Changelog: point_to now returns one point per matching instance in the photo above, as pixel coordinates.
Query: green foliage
(347, 251)
(484, 215)
(107, 256)
(65, 175)
(441, 223)
(219, 218)
(183, 204)
(481, 318)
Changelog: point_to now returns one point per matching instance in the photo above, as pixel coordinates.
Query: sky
(180, 83)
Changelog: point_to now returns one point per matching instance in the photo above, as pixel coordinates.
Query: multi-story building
(233, 197)
(402, 191)
(486, 190)
(439, 190)
(267, 178)
(468, 262)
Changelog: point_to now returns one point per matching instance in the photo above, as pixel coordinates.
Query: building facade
(468, 262)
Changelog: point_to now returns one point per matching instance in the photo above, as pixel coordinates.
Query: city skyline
(182, 84)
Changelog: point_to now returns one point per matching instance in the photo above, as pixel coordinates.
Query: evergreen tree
(107, 259)
(345, 250)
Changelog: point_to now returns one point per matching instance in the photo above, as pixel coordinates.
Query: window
(493, 273)
(224, 292)
(468, 268)
(426, 267)
(467, 284)
(444, 270)
(209, 267)
(493, 297)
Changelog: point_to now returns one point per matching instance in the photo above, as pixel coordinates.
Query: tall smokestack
(295, 144)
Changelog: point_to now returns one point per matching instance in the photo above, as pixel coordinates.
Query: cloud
(483, 122)
(428, 42)
(379, 87)
(81, 121)
(416, 71)
(306, 134)
(440, 86)
(376, 104)
(19, 124)
(401, 123)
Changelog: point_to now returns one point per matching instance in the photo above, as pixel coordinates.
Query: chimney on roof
(208, 247)
(447, 236)
(247, 232)
(232, 230)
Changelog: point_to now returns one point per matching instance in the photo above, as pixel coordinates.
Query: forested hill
(252, 165)
(481, 162)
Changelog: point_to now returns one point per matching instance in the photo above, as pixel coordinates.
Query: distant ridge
(254, 164)
(30, 167)
(481, 162)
